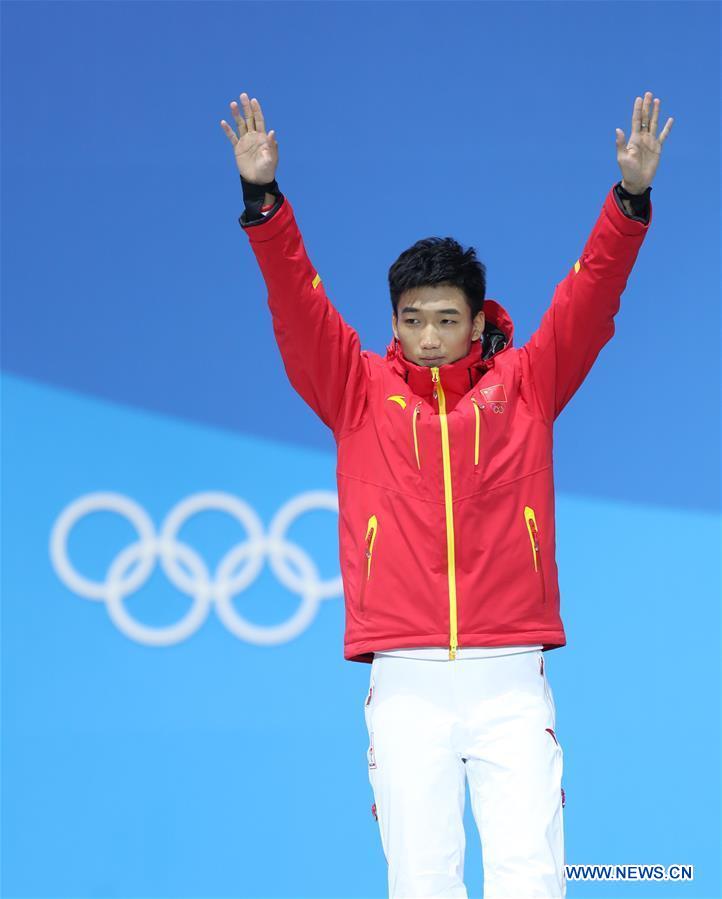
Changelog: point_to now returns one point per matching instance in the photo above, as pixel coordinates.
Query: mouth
(432, 360)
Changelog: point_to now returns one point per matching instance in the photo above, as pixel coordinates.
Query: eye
(412, 321)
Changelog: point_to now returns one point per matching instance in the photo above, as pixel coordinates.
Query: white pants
(431, 724)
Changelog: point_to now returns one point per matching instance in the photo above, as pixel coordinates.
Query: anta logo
(397, 398)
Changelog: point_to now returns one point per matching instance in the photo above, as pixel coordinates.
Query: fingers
(258, 116)
(646, 106)
(640, 112)
(242, 129)
(636, 116)
(253, 121)
(246, 124)
(238, 117)
(665, 131)
(654, 121)
(230, 133)
(646, 110)
(248, 112)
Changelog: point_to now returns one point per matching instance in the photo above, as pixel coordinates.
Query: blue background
(138, 358)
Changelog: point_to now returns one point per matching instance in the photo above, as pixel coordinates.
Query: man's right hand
(256, 151)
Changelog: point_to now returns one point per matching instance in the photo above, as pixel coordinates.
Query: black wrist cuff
(258, 191)
(638, 202)
(253, 197)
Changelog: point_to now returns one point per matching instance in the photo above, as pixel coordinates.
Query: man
(446, 516)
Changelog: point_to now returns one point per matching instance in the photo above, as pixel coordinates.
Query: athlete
(446, 515)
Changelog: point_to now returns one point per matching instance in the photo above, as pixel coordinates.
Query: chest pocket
(488, 405)
(487, 402)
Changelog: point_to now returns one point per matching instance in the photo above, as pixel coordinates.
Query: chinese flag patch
(494, 394)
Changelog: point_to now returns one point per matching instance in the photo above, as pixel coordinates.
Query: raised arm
(580, 318)
(321, 352)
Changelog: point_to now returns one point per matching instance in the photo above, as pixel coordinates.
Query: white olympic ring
(133, 565)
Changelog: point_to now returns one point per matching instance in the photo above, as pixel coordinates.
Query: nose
(429, 340)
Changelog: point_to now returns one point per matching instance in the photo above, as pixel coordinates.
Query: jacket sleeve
(321, 353)
(580, 319)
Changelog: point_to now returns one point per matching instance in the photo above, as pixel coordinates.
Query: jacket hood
(462, 374)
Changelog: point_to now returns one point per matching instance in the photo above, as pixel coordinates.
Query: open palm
(638, 158)
(255, 150)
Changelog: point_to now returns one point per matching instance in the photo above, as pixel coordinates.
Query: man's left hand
(639, 157)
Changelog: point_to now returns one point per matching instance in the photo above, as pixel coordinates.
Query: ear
(478, 326)
(393, 325)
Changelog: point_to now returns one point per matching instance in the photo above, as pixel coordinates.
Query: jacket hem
(363, 650)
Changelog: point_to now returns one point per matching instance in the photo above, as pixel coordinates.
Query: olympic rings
(187, 570)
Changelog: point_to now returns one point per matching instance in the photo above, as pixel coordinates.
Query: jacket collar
(460, 376)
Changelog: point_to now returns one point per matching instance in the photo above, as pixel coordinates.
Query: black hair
(435, 261)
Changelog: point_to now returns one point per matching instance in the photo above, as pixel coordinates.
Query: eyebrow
(438, 311)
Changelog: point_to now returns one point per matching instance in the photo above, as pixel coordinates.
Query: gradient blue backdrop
(138, 359)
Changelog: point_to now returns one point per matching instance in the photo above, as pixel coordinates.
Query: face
(434, 325)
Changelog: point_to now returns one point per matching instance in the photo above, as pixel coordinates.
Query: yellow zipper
(416, 442)
(371, 529)
(448, 501)
(533, 529)
(476, 438)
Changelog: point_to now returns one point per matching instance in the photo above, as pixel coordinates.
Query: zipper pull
(535, 531)
(369, 541)
(435, 380)
(476, 432)
(413, 428)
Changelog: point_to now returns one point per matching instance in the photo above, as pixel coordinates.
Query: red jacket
(445, 475)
